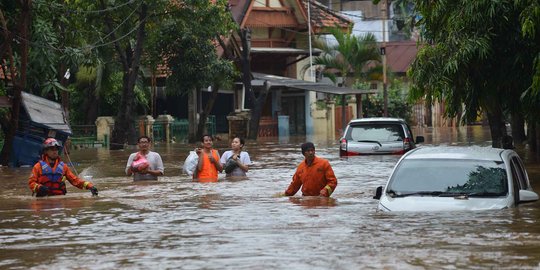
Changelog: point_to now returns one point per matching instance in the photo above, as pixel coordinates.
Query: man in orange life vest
(49, 174)
(314, 175)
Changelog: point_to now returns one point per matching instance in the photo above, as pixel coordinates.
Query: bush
(373, 105)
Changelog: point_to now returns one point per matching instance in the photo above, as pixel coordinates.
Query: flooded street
(176, 223)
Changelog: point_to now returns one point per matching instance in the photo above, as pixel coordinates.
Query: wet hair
(144, 137)
(306, 146)
(206, 135)
(242, 142)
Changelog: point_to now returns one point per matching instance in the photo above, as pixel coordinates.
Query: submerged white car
(456, 178)
(377, 136)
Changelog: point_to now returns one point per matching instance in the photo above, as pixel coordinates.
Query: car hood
(426, 203)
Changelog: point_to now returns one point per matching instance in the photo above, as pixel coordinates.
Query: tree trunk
(537, 138)
(256, 112)
(496, 126)
(518, 128)
(256, 102)
(64, 94)
(192, 115)
(207, 109)
(428, 121)
(90, 106)
(531, 136)
(124, 124)
(359, 113)
(19, 83)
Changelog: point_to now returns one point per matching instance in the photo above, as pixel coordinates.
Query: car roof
(457, 152)
(377, 119)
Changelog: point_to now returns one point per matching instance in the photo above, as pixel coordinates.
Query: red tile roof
(400, 55)
(322, 17)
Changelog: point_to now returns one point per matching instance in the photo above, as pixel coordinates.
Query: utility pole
(383, 52)
(311, 73)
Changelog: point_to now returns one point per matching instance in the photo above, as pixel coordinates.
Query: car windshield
(375, 132)
(442, 177)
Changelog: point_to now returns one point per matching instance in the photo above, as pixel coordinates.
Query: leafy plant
(398, 105)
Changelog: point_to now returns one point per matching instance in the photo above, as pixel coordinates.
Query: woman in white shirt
(239, 160)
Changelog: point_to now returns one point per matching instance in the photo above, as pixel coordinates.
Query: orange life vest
(53, 178)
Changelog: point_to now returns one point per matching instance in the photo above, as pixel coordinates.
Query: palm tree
(348, 58)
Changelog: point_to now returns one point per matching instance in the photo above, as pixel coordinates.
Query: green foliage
(348, 57)
(530, 27)
(186, 37)
(469, 49)
(398, 106)
(54, 42)
(84, 90)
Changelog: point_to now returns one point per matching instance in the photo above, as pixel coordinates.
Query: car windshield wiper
(369, 141)
(486, 194)
(416, 193)
(396, 194)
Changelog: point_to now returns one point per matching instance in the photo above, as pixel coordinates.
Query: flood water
(175, 223)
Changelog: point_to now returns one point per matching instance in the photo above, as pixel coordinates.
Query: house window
(268, 3)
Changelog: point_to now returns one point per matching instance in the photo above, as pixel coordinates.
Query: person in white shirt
(145, 164)
(235, 161)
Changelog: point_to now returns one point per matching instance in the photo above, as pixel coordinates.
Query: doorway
(295, 108)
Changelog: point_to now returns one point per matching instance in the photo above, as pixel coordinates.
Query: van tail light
(343, 147)
(407, 144)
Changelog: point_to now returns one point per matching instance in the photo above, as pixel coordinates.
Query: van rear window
(375, 132)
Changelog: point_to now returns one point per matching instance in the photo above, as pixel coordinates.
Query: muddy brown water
(175, 223)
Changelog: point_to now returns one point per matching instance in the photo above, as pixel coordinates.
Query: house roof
(400, 55)
(45, 113)
(322, 17)
(278, 81)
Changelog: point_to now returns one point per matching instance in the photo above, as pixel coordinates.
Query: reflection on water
(241, 224)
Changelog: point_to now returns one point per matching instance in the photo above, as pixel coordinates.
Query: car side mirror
(378, 193)
(419, 139)
(527, 196)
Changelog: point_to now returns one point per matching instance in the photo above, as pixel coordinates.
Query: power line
(93, 11)
(93, 45)
(117, 27)
(97, 44)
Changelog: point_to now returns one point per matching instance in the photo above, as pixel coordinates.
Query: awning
(45, 113)
(285, 51)
(278, 81)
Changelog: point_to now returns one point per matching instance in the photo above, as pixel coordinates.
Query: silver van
(377, 136)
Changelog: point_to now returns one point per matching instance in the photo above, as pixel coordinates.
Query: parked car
(456, 178)
(377, 136)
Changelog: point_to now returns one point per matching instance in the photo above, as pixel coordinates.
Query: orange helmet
(50, 142)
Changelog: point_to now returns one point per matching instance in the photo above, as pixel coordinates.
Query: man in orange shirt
(208, 165)
(314, 175)
(49, 174)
